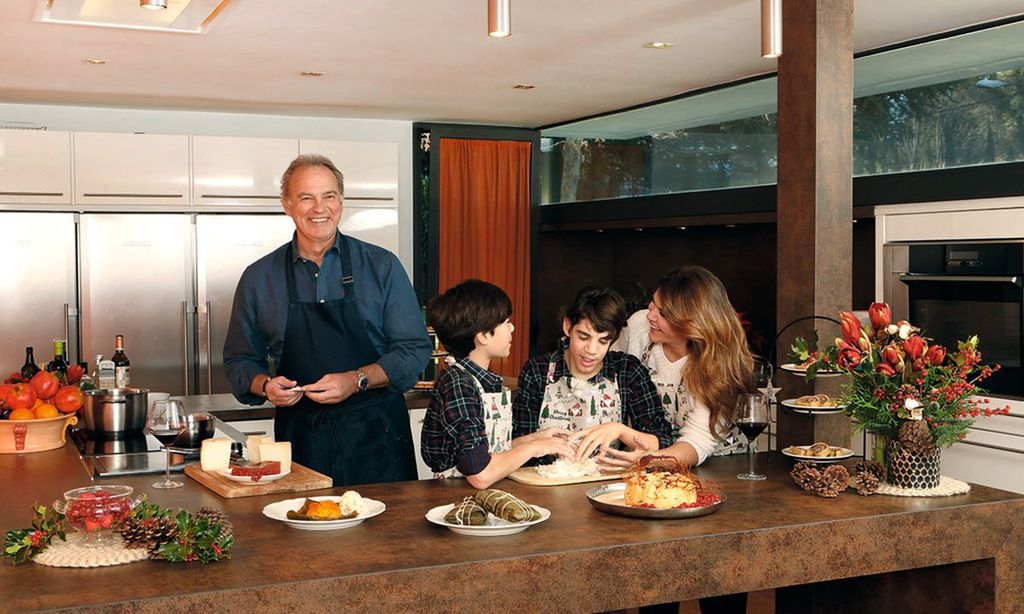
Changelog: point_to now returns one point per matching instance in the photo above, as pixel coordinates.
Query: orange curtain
(484, 226)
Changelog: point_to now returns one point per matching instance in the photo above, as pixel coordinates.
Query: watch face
(362, 383)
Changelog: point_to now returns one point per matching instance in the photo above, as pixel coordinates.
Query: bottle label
(122, 377)
(106, 374)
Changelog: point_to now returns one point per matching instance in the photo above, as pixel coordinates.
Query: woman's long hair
(720, 365)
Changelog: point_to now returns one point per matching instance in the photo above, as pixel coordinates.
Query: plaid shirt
(641, 407)
(454, 434)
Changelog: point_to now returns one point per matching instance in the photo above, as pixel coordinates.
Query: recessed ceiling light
(153, 5)
(681, 227)
(659, 45)
(95, 61)
(311, 73)
(523, 86)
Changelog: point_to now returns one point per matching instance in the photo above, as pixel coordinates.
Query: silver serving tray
(645, 512)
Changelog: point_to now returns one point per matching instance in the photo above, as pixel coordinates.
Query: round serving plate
(846, 453)
(494, 526)
(609, 498)
(798, 370)
(279, 511)
(791, 405)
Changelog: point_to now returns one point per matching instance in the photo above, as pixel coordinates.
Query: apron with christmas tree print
(677, 403)
(574, 404)
(497, 410)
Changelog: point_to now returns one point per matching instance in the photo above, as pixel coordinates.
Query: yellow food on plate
(815, 400)
(660, 486)
(325, 509)
(817, 450)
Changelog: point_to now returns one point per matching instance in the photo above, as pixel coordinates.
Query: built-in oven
(953, 290)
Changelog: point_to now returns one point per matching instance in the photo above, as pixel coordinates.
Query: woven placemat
(947, 487)
(75, 553)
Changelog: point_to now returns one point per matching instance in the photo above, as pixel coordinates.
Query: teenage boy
(467, 431)
(583, 388)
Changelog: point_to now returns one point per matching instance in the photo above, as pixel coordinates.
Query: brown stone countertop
(767, 534)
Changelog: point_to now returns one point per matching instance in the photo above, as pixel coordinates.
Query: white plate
(792, 368)
(811, 409)
(494, 525)
(247, 479)
(279, 511)
(846, 453)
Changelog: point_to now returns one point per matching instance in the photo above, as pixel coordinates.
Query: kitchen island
(850, 554)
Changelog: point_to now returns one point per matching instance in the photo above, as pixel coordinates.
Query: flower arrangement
(902, 387)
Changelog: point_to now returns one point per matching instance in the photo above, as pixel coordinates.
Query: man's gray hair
(311, 160)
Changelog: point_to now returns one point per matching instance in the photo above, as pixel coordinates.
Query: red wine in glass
(751, 429)
(751, 417)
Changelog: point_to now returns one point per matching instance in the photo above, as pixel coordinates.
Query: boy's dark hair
(602, 306)
(471, 307)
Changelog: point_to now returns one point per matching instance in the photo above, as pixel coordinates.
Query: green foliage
(198, 540)
(22, 544)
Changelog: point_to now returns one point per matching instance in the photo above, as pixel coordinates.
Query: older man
(340, 320)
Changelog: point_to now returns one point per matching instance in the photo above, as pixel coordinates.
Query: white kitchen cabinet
(416, 416)
(370, 169)
(238, 170)
(377, 225)
(35, 167)
(135, 169)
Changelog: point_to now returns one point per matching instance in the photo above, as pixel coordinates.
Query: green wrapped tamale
(466, 512)
(506, 506)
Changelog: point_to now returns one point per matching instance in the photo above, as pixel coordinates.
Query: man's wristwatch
(362, 382)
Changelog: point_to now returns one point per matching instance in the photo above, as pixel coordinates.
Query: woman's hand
(617, 460)
(589, 440)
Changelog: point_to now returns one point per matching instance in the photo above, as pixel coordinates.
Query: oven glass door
(950, 309)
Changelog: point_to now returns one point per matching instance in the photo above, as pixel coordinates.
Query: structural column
(815, 194)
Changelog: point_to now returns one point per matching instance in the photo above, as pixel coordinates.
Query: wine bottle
(29, 368)
(105, 372)
(122, 366)
(58, 366)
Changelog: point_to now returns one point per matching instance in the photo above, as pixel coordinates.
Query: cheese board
(300, 479)
(529, 475)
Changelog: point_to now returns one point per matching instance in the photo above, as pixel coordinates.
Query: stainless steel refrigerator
(166, 282)
(38, 286)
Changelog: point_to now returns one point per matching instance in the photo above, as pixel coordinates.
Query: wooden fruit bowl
(18, 436)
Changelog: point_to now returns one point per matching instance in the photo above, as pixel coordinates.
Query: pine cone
(874, 468)
(149, 533)
(806, 475)
(867, 483)
(833, 481)
(216, 516)
(916, 437)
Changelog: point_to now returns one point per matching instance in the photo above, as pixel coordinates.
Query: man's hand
(332, 388)
(279, 391)
(589, 440)
(546, 446)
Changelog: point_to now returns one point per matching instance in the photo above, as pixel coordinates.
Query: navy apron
(364, 439)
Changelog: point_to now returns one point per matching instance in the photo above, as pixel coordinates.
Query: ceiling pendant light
(154, 5)
(771, 28)
(499, 18)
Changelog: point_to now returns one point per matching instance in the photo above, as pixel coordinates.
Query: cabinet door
(35, 167)
(237, 170)
(416, 416)
(136, 169)
(370, 169)
(377, 225)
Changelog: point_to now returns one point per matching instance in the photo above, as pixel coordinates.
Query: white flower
(905, 330)
(892, 329)
(915, 409)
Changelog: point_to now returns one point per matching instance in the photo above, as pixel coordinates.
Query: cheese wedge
(252, 446)
(277, 451)
(215, 454)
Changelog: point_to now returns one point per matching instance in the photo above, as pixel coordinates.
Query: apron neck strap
(347, 281)
(289, 274)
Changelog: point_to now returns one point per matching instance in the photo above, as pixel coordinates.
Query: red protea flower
(880, 315)
(935, 355)
(891, 354)
(850, 327)
(914, 347)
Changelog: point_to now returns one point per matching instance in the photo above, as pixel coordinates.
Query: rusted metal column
(815, 193)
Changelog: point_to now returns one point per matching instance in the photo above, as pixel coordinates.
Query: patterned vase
(906, 469)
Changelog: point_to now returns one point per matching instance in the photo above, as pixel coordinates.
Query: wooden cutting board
(529, 475)
(300, 479)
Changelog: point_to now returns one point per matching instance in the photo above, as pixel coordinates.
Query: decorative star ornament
(769, 392)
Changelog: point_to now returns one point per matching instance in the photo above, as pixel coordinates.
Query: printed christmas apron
(574, 404)
(497, 408)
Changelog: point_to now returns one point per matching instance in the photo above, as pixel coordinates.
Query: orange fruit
(37, 403)
(46, 411)
(22, 414)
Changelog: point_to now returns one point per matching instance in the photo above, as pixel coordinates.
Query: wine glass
(751, 418)
(165, 420)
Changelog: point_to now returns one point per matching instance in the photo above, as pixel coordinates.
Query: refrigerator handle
(209, 352)
(184, 341)
(70, 312)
